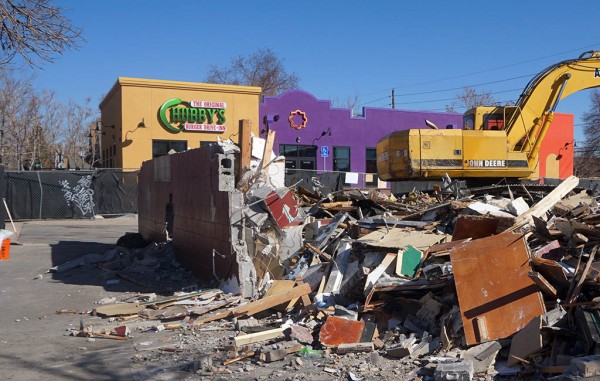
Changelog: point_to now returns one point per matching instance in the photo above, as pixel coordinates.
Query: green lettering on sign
(177, 115)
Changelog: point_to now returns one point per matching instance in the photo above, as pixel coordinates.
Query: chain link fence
(331, 181)
(32, 195)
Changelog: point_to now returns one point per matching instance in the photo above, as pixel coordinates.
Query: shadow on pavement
(118, 269)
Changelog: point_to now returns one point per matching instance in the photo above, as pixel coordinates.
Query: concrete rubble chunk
(517, 206)
(588, 366)
(459, 371)
(482, 356)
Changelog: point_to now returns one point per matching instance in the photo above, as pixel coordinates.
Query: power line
(451, 89)
(450, 99)
(462, 87)
(483, 71)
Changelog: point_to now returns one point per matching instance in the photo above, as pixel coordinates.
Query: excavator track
(525, 190)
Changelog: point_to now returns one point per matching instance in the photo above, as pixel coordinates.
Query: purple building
(312, 135)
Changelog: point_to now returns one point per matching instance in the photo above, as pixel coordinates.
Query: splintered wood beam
(544, 285)
(245, 137)
(258, 337)
(260, 305)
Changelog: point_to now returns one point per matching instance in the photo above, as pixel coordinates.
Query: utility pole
(393, 100)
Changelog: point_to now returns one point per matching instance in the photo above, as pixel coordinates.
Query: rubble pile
(356, 284)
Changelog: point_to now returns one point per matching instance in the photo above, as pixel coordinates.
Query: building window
(162, 147)
(341, 159)
(299, 156)
(371, 166)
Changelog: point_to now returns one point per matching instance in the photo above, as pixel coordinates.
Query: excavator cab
(488, 118)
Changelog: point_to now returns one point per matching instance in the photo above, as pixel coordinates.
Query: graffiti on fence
(81, 195)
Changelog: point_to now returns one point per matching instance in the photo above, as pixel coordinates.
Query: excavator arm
(497, 141)
(536, 105)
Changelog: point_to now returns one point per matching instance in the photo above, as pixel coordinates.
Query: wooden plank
(272, 301)
(260, 305)
(245, 147)
(502, 293)
(266, 159)
(238, 358)
(339, 204)
(259, 336)
(323, 255)
(119, 309)
(547, 202)
(378, 271)
(573, 296)
(544, 285)
(279, 286)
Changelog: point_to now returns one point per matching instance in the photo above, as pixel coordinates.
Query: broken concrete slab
(454, 371)
(355, 348)
(525, 342)
(517, 206)
(588, 366)
(482, 356)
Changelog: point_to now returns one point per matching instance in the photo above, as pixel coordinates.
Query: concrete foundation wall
(206, 212)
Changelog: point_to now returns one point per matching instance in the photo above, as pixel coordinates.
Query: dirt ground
(35, 342)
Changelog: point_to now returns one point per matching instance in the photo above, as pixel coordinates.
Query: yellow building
(145, 118)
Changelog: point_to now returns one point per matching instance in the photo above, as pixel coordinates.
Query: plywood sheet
(496, 296)
(399, 238)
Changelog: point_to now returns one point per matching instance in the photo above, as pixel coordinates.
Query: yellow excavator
(495, 142)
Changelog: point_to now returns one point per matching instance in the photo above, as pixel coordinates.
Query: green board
(408, 261)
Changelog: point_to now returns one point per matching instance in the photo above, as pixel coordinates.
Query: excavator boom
(496, 141)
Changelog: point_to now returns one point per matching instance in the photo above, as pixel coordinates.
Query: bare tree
(470, 98)
(36, 128)
(36, 30)
(262, 68)
(350, 102)
(591, 129)
(79, 120)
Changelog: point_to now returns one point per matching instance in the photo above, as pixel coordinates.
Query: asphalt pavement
(34, 341)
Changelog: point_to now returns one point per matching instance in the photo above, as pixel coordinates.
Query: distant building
(146, 118)
(312, 135)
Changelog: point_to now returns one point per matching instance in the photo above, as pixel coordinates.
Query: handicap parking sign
(324, 151)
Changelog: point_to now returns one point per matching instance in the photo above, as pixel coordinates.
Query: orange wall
(560, 132)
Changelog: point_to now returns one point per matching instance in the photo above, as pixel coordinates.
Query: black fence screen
(70, 194)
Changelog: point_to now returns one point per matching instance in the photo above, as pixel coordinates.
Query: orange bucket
(5, 250)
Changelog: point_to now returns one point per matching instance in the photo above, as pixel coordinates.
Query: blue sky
(337, 48)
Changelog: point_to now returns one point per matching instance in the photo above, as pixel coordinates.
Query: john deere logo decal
(177, 115)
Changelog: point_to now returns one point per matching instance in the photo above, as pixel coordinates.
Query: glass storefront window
(341, 159)
(299, 156)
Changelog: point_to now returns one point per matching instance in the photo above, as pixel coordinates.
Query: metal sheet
(496, 296)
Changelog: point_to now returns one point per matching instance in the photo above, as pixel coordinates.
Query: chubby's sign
(177, 115)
